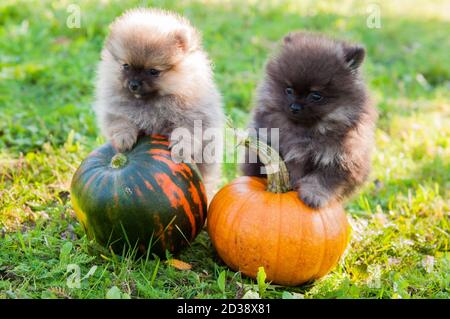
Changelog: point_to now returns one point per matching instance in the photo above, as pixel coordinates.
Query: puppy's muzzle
(134, 86)
(296, 108)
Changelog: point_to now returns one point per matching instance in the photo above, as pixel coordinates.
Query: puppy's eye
(154, 72)
(125, 66)
(289, 91)
(315, 96)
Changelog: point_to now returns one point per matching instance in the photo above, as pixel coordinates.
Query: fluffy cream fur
(183, 93)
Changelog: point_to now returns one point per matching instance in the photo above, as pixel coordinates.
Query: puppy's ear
(182, 40)
(288, 39)
(354, 55)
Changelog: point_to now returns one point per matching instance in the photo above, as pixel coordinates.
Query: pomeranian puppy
(153, 78)
(314, 93)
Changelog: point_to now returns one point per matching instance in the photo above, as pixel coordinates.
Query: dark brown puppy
(314, 94)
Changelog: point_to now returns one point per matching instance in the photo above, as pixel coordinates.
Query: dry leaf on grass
(178, 264)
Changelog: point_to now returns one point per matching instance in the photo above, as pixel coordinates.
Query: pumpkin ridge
(79, 174)
(203, 191)
(157, 142)
(159, 151)
(331, 220)
(181, 168)
(210, 215)
(324, 250)
(219, 213)
(223, 192)
(305, 234)
(243, 203)
(176, 198)
(237, 222)
(280, 227)
(159, 240)
(340, 247)
(158, 137)
(158, 146)
(199, 218)
(302, 225)
(147, 183)
(90, 180)
(202, 196)
(138, 191)
(342, 237)
(196, 198)
(299, 232)
(103, 181)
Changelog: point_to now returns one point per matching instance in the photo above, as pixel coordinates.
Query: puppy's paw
(311, 199)
(124, 141)
(313, 194)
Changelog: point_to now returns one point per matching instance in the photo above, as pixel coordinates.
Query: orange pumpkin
(254, 222)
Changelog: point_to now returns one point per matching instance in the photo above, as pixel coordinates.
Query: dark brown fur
(327, 144)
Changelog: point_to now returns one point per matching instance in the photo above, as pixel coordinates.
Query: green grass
(401, 228)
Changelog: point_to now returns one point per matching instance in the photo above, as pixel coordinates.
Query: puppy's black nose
(134, 85)
(295, 107)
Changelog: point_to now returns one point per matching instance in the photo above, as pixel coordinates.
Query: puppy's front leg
(120, 131)
(313, 191)
(319, 187)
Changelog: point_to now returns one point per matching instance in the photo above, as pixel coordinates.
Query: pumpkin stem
(119, 160)
(276, 170)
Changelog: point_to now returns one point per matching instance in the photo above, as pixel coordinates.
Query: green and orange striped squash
(140, 199)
